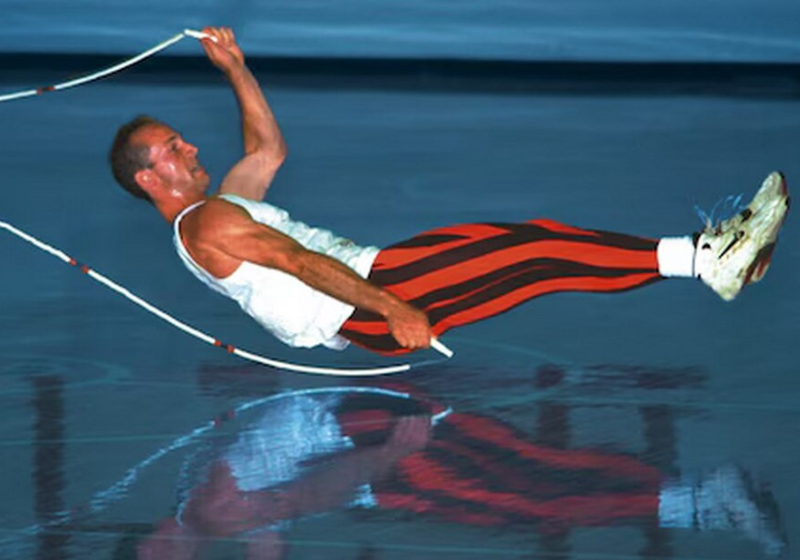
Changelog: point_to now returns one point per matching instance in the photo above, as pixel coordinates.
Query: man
(309, 287)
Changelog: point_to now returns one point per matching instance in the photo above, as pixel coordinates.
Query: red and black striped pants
(466, 273)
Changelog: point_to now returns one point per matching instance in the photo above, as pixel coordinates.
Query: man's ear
(146, 179)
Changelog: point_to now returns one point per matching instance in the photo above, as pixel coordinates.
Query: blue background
(618, 30)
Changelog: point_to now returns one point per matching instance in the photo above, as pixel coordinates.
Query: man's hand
(223, 53)
(409, 326)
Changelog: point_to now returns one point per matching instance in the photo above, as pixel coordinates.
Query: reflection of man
(309, 287)
(308, 454)
(294, 461)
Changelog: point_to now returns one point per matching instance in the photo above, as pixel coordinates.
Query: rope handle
(198, 35)
(441, 348)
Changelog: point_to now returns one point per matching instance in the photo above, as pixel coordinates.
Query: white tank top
(277, 446)
(288, 308)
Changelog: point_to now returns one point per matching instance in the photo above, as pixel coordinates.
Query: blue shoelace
(724, 209)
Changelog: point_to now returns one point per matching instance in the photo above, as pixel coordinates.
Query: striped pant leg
(462, 274)
(478, 470)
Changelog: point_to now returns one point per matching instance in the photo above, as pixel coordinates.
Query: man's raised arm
(263, 140)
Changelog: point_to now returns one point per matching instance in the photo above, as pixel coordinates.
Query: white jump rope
(435, 344)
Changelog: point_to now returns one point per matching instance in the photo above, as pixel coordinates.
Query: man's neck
(170, 208)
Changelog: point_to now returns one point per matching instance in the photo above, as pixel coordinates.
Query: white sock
(676, 257)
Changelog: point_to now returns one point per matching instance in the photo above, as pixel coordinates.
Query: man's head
(151, 160)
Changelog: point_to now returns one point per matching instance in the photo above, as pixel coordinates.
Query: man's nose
(190, 149)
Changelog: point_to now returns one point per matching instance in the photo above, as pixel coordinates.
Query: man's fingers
(423, 338)
(228, 33)
(223, 36)
(415, 341)
(410, 327)
(211, 31)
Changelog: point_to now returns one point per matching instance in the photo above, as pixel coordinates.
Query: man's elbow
(271, 158)
(279, 154)
(267, 161)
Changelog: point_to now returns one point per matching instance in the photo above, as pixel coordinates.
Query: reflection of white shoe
(727, 499)
(737, 251)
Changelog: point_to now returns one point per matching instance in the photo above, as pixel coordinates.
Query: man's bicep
(251, 177)
(232, 231)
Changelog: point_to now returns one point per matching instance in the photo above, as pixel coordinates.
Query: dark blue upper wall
(592, 30)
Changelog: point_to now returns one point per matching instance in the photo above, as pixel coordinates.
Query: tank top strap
(178, 241)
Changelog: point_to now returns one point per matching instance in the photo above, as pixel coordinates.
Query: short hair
(126, 157)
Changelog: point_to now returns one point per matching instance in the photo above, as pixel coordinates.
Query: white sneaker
(737, 251)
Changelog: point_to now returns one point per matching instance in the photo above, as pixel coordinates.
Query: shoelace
(724, 209)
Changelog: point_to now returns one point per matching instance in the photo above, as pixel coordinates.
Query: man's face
(173, 160)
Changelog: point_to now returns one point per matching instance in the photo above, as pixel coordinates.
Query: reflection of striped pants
(466, 273)
(478, 470)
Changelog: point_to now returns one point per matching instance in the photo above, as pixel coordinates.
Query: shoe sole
(772, 202)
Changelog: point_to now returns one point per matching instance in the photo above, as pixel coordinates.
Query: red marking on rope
(44, 89)
(227, 347)
(84, 269)
(73, 262)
